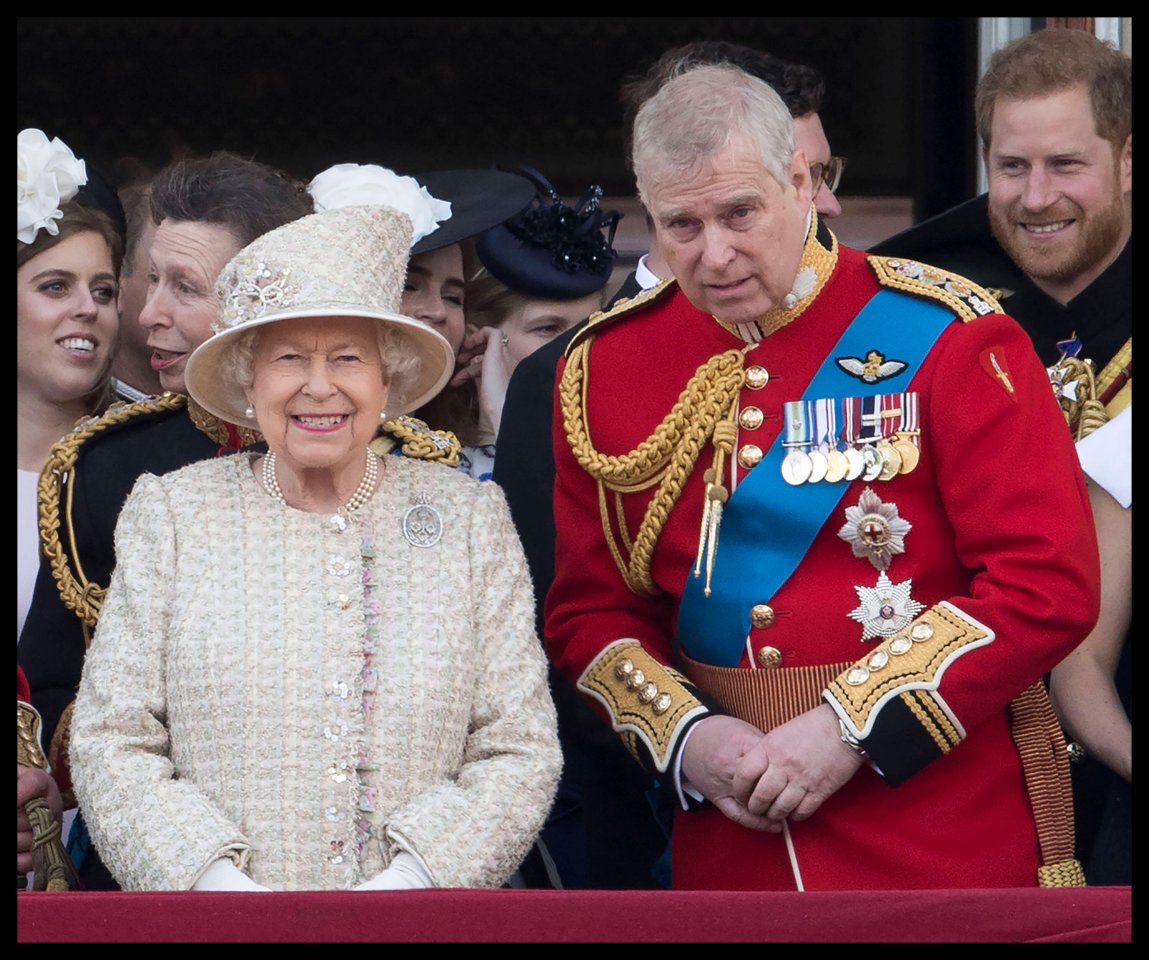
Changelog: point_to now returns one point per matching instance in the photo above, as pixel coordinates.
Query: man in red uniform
(820, 532)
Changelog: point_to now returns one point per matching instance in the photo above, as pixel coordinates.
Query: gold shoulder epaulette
(419, 441)
(623, 307)
(963, 296)
(84, 599)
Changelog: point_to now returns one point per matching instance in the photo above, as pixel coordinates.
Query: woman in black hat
(529, 279)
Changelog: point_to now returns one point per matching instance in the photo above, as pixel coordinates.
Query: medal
(796, 468)
(857, 462)
(821, 418)
(837, 466)
(907, 435)
(869, 435)
(891, 460)
(909, 453)
(818, 466)
(796, 465)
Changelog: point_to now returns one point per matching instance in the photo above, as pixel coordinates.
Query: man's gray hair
(698, 113)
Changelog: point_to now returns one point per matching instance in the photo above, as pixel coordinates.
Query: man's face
(810, 138)
(1059, 200)
(731, 235)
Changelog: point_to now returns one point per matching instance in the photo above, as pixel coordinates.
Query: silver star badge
(885, 608)
(1057, 374)
(874, 530)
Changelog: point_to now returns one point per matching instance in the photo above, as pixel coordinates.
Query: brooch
(885, 608)
(422, 525)
(874, 530)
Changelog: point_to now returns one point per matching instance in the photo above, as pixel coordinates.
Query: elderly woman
(371, 711)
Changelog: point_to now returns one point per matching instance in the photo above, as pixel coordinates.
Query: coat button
(756, 377)
(749, 456)
(769, 657)
(761, 615)
(750, 418)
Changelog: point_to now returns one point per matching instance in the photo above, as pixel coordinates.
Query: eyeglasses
(828, 173)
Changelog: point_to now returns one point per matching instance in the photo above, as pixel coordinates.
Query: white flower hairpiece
(47, 175)
(359, 184)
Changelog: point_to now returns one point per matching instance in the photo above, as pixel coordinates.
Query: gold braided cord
(1045, 763)
(1067, 873)
(666, 457)
(84, 599)
(420, 442)
(51, 866)
(1085, 413)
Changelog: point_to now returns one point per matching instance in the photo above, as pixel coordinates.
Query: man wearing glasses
(602, 786)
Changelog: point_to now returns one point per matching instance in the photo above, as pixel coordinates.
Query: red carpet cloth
(1094, 915)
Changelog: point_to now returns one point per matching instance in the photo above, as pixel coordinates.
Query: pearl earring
(249, 412)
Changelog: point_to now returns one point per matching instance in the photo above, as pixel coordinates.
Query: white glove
(225, 875)
(405, 873)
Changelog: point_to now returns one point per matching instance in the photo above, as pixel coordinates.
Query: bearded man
(1054, 238)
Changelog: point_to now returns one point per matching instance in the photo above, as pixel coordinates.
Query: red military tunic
(1001, 548)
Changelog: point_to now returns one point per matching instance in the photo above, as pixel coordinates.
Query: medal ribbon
(823, 416)
(768, 525)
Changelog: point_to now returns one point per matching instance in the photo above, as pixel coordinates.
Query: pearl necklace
(361, 495)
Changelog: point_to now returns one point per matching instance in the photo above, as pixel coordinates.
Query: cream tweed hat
(348, 261)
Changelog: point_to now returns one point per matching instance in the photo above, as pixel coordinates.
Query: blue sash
(768, 525)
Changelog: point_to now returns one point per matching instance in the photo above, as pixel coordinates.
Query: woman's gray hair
(698, 113)
(399, 364)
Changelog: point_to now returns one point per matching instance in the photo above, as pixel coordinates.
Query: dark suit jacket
(601, 784)
(960, 240)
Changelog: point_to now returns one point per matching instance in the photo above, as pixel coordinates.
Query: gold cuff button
(761, 616)
(662, 703)
(749, 456)
(921, 632)
(756, 377)
(750, 418)
(769, 657)
(648, 692)
(636, 679)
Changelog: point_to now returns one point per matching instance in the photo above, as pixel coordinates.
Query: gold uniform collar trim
(219, 430)
(818, 262)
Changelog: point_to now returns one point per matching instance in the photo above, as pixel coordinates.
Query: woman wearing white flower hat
(372, 711)
(68, 253)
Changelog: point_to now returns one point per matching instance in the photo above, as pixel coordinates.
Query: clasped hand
(760, 779)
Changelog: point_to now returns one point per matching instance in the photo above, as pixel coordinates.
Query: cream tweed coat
(221, 707)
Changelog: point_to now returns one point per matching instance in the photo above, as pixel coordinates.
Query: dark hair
(246, 197)
(76, 218)
(801, 88)
(136, 199)
(1057, 59)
